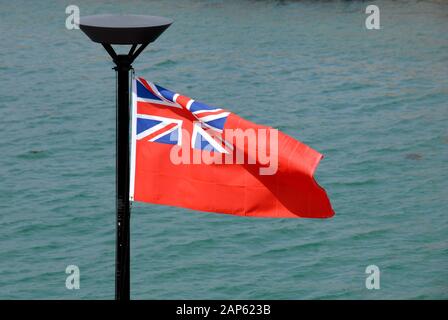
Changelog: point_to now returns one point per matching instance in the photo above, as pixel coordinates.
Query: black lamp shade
(123, 29)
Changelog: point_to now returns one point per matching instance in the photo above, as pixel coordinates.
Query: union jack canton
(162, 114)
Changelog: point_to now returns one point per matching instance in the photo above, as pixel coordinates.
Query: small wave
(165, 63)
(414, 156)
(33, 155)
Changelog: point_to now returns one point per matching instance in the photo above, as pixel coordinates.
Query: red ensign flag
(188, 154)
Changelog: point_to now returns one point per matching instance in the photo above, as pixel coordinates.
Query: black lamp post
(137, 31)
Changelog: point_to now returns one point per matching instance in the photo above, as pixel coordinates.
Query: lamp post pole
(138, 31)
(122, 263)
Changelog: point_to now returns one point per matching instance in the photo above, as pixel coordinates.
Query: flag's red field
(170, 130)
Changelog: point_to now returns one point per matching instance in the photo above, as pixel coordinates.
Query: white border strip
(189, 103)
(213, 117)
(165, 133)
(198, 129)
(146, 133)
(206, 110)
(133, 137)
(164, 103)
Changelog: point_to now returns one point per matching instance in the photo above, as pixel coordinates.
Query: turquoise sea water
(373, 102)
